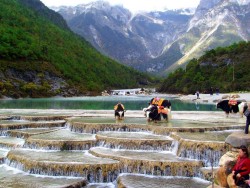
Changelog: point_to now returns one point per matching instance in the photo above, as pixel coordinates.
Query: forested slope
(39, 57)
(224, 68)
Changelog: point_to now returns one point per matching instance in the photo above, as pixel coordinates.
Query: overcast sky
(132, 5)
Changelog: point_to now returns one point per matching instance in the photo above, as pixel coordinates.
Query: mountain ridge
(116, 32)
(151, 34)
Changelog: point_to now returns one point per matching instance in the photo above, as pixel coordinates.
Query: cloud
(132, 5)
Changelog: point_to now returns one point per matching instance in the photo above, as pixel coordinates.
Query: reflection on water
(63, 135)
(142, 155)
(132, 135)
(143, 121)
(218, 136)
(36, 130)
(10, 177)
(99, 103)
(13, 121)
(145, 181)
(63, 157)
(100, 185)
(11, 140)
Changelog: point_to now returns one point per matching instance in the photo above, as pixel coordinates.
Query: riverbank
(212, 99)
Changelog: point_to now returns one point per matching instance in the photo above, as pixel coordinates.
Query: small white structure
(125, 91)
(131, 91)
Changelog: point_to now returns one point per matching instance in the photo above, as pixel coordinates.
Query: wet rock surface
(133, 180)
(25, 133)
(237, 139)
(134, 141)
(10, 177)
(61, 140)
(92, 145)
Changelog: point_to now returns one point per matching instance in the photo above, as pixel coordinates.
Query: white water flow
(99, 150)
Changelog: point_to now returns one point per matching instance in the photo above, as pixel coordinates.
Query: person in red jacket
(241, 169)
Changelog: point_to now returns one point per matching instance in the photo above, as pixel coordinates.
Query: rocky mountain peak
(154, 40)
(241, 2)
(215, 12)
(95, 5)
(206, 5)
(95, 8)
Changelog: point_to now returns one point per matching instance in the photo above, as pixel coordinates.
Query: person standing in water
(198, 94)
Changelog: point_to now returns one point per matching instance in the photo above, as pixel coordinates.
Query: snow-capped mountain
(218, 23)
(130, 39)
(157, 41)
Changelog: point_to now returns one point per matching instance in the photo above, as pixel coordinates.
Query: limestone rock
(214, 186)
(229, 156)
(226, 164)
(221, 176)
(237, 139)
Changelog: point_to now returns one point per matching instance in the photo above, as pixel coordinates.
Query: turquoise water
(98, 103)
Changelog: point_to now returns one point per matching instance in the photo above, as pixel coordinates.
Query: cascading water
(114, 149)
